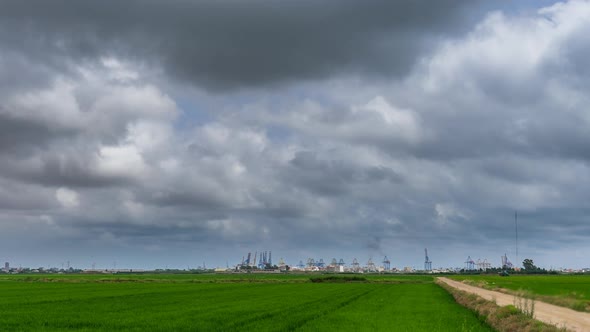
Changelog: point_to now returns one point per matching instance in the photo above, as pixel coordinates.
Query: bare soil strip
(559, 316)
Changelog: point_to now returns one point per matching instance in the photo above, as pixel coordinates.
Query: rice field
(228, 303)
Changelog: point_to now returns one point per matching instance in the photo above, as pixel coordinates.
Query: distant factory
(262, 261)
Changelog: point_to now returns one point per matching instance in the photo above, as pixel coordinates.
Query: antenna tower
(516, 232)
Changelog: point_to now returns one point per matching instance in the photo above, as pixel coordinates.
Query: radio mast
(516, 233)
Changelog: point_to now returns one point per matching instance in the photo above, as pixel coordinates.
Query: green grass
(159, 278)
(571, 291)
(218, 303)
(401, 307)
(204, 278)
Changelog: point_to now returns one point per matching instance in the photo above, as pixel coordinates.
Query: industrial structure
(483, 265)
(386, 264)
(320, 264)
(516, 233)
(427, 261)
(469, 264)
(336, 266)
(371, 266)
(282, 263)
(506, 264)
(265, 259)
(262, 261)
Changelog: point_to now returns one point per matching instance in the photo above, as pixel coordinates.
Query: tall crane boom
(427, 262)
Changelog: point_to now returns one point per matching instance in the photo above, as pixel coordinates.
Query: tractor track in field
(559, 316)
(342, 304)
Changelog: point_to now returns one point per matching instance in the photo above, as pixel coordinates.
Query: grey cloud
(334, 177)
(18, 73)
(18, 135)
(374, 244)
(322, 177)
(18, 197)
(194, 199)
(287, 205)
(66, 131)
(381, 173)
(75, 170)
(345, 168)
(231, 44)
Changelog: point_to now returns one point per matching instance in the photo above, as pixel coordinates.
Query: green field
(228, 303)
(571, 291)
(199, 278)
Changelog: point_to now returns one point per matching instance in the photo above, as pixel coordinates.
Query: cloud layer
(233, 44)
(188, 132)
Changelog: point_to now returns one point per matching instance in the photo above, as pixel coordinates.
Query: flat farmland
(228, 303)
(572, 291)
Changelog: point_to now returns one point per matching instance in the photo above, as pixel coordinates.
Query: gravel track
(559, 316)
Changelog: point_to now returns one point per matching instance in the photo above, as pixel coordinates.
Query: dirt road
(559, 316)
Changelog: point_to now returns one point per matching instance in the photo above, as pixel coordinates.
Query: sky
(153, 134)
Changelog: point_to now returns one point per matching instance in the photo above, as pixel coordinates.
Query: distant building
(6, 267)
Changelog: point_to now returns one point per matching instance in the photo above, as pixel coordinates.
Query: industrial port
(262, 262)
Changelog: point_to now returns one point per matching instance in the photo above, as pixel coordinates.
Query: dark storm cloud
(193, 199)
(18, 134)
(15, 196)
(221, 44)
(333, 177)
(73, 171)
(563, 136)
(17, 73)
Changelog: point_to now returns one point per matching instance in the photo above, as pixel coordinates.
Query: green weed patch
(338, 279)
